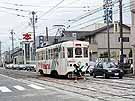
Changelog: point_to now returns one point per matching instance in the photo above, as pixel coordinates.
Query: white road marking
(19, 87)
(4, 89)
(35, 86)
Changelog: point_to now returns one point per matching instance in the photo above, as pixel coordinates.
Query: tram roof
(65, 41)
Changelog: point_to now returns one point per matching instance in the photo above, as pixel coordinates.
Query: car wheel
(41, 72)
(94, 75)
(91, 74)
(105, 76)
(120, 77)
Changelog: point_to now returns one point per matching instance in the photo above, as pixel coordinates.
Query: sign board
(27, 36)
(107, 6)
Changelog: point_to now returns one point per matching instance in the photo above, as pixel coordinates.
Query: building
(18, 56)
(133, 31)
(98, 40)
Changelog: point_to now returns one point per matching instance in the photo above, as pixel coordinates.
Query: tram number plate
(116, 74)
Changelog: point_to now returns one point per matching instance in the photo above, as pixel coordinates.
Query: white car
(9, 66)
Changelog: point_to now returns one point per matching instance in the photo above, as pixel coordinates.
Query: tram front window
(78, 52)
(70, 52)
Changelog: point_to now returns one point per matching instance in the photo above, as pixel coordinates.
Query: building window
(125, 39)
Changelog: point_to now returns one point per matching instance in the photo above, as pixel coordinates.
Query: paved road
(16, 90)
(91, 89)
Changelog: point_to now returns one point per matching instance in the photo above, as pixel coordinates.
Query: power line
(14, 14)
(15, 9)
(98, 17)
(95, 19)
(52, 8)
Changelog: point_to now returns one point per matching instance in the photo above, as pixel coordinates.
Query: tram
(59, 59)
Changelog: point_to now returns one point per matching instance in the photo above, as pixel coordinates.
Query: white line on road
(19, 87)
(35, 86)
(4, 89)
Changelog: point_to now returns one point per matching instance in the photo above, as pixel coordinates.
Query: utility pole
(34, 19)
(0, 49)
(46, 33)
(12, 38)
(108, 18)
(121, 34)
(108, 35)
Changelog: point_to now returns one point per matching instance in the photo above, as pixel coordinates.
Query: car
(107, 70)
(9, 66)
(15, 66)
(131, 68)
(22, 67)
(30, 67)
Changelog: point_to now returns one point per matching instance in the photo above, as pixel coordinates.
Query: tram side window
(70, 52)
(85, 51)
(42, 54)
(62, 53)
(56, 53)
(52, 52)
(46, 55)
(49, 53)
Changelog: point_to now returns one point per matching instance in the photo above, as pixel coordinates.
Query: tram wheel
(41, 72)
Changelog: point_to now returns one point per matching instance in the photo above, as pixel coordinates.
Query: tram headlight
(121, 70)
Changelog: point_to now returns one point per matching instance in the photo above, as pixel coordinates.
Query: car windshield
(109, 65)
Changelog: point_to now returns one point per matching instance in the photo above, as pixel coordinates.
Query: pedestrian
(77, 72)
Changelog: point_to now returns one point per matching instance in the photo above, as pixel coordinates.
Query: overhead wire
(58, 3)
(15, 9)
(94, 19)
(52, 8)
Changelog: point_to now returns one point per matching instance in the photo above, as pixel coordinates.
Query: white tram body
(58, 59)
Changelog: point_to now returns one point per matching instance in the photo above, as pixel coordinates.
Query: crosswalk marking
(19, 87)
(4, 89)
(35, 86)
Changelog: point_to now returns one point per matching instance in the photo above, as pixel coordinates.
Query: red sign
(45, 66)
(27, 36)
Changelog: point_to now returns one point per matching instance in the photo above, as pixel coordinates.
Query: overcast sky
(49, 13)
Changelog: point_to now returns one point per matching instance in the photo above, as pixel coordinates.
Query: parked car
(9, 66)
(107, 70)
(30, 67)
(15, 66)
(22, 67)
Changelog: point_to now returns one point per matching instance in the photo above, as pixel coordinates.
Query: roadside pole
(121, 34)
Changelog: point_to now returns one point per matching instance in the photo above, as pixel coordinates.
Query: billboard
(107, 6)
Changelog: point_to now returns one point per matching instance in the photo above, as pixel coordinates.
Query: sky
(16, 14)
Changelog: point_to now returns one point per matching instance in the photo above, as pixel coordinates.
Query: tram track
(85, 88)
